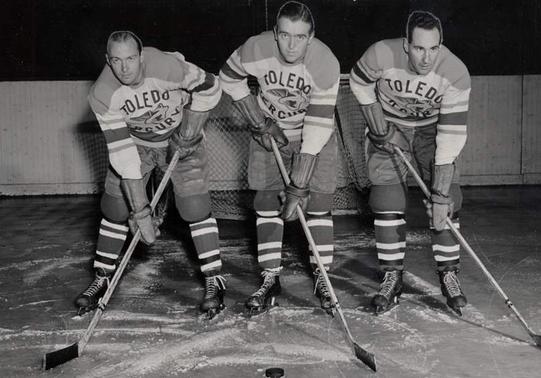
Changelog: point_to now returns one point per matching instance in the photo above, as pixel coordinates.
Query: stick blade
(366, 357)
(536, 339)
(60, 356)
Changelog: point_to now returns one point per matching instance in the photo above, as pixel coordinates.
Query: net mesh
(228, 143)
(228, 138)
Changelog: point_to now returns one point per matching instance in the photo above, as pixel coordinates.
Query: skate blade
(212, 313)
(255, 311)
(456, 310)
(380, 310)
(83, 311)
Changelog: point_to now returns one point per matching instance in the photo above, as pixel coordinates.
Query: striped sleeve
(234, 78)
(452, 124)
(364, 75)
(123, 154)
(319, 119)
(202, 85)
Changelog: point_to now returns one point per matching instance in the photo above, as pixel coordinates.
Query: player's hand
(393, 138)
(142, 220)
(185, 146)
(263, 134)
(438, 210)
(292, 197)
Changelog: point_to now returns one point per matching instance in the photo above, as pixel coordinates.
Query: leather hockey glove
(442, 205)
(140, 215)
(383, 135)
(262, 127)
(298, 192)
(387, 143)
(187, 137)
(270, 130)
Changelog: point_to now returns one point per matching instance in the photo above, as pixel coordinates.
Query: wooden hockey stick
(68, 353)
(366, 357)
(536, 338)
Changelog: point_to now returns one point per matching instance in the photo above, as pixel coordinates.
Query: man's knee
(193, 208)
(320, 202)
(388, 198)
(114, 208)
(267, 200)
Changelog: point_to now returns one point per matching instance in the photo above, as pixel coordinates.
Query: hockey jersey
(441, 97)
(301, 96)
(148, 113)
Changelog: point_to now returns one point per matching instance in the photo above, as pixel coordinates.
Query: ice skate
(450, 288)
(89, 299)
(265, 297)
(322, 292)
(213, 301)
(389, 292)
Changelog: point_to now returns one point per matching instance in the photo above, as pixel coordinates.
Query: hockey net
(228, 140)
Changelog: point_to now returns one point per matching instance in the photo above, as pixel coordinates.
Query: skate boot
(213, 302)
(450, 288)
(389, 292)
(89, 299)
(322, 292)
(266, 295)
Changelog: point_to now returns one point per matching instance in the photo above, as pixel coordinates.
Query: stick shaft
(465, 244)
(312, 244)
(125, 259)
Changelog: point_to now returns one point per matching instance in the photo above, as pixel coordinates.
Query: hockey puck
(274, 372)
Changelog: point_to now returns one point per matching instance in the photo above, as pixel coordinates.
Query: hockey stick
(68, 353)
(536, 338)
(366, 357)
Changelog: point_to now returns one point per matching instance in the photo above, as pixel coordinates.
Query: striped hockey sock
(390, 229)
(445, 248)
(205, 239)
(270, 231)
(111, 239)
(321, 228)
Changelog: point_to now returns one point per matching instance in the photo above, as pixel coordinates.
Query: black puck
(274, 372)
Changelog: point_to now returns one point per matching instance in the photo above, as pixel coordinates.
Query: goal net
(228, 140)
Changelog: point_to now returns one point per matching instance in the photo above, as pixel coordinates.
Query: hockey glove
(262, 127)
(187, 137)
(383, 135)
(270, 130)
(297, 192)
(387, 143)
(140, 216)
(442, 204)
(186, 147)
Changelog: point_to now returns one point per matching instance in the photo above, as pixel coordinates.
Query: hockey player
(298, 80)
(149, 103)
(414, 94)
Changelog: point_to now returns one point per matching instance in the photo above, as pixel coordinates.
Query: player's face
(423, 49)
(125, 61)
(293, 38)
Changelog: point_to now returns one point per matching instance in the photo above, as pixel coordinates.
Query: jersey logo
(419, 108)
(292, 100)
(153, 116)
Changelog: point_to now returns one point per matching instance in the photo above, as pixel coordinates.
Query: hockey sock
(205, 239)
(390, 229)
(445, 248)
(321, 228)
(111, 238)
(270, 230)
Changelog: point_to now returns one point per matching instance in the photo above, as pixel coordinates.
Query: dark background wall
(65, 39)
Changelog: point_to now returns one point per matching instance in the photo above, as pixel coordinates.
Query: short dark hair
(123, 36)
(424, 20)
(294, 11)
